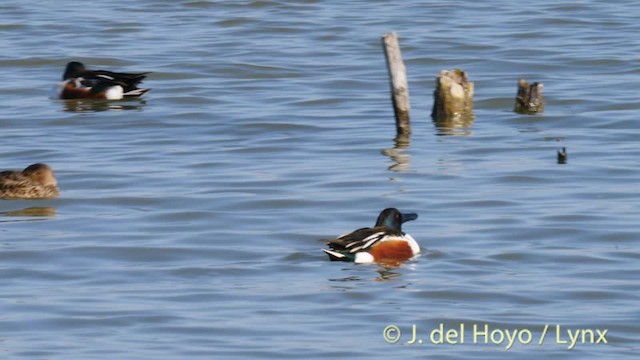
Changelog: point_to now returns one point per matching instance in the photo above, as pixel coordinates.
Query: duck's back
(14, 185)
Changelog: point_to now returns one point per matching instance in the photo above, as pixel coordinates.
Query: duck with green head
(383, 243)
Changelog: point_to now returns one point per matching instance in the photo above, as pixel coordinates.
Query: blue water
(189, 220)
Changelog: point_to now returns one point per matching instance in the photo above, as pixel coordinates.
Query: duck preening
(80, 83)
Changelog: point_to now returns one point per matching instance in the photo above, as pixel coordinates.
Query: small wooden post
(399, 85)
(453, 97)
(562, 155)
(529, 99)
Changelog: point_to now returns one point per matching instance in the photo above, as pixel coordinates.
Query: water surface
(189, 221)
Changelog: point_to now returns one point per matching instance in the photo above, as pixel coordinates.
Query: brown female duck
(35, 182)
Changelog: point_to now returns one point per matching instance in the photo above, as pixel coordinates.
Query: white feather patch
(367, 239)
(367, 244)
(415, 248)
(333, 253)
(363, 258)
(135, 92)
(56, 90)
(105, 77)
(114, 93)
(78, 82)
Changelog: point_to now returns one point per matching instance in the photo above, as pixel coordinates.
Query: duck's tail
(338, 256)
(135, 92)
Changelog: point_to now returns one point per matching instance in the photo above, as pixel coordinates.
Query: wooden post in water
(453, 97)
(399, 85)
(529, 99)
(562, 155)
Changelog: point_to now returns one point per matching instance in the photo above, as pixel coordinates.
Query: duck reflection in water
(97, 106)
(385, 274)
(29, 214)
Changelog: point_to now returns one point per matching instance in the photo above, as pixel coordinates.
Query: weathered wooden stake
(453, 97)
(529, 99)
(562, 155)
(399, 85)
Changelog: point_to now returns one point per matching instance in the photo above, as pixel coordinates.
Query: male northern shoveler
(80, 83)
(383, 243)
(35, 182)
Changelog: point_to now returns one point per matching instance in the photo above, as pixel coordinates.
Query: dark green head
(393, 219)
(73, 70)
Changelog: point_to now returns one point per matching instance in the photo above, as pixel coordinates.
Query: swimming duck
(80, 83)
(35, 182)
(383, 243)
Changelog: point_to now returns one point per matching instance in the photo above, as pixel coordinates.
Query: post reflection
(457, 125)
(401, 161)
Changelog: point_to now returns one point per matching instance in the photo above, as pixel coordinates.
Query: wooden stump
(452, 98)
(399, 84)
(529, 99)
